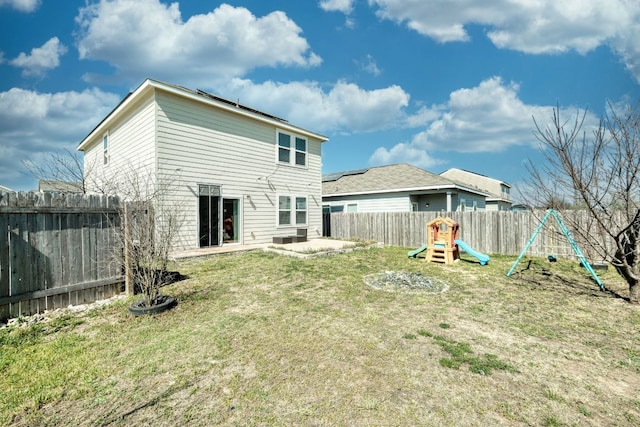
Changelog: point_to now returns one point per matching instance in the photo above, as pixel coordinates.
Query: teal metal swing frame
(556, 215)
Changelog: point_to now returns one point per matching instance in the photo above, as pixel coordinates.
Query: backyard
(260, 338)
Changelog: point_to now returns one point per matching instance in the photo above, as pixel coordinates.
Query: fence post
(129, 284)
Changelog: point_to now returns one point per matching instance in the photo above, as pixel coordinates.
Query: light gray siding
(202, 145)
(131, 150)
(436, 202)
(469, 199)
(374, 202)
(404, 202)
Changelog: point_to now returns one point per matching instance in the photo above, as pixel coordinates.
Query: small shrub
(552, 395)
(449, 363)
(584, 411)
(461, 352)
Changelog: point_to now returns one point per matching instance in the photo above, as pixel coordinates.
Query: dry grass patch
(264, 339)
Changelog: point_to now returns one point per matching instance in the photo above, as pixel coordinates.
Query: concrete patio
(301, 249)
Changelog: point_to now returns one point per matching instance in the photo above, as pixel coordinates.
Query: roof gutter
(409, 190)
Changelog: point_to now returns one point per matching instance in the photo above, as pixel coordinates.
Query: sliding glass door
(231, 220)
(209, 215)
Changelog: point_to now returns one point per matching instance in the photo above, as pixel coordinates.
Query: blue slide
(484, 259)
(413, 254)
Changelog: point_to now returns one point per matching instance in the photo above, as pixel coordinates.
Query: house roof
(61, 186)
(387, 179)
(483, 182)
(6, 189)
(150, 85)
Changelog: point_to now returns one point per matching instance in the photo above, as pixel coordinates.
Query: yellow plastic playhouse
(441, 236)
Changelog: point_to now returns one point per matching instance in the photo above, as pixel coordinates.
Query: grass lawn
(265, 339)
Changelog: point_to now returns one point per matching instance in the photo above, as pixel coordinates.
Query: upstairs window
(284, 148)
(292, 149)
(105, 149)
(505, 192)
(301, 151)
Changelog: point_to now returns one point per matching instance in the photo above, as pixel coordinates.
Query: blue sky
(438, 84)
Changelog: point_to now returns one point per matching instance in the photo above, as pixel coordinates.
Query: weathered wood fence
(56, 249)
(491, 232)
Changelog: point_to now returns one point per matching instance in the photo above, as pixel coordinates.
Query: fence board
(491, 232)
(56, 249)
(4, 262)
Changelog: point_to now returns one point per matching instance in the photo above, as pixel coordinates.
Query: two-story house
(499, 198)
(241, 176)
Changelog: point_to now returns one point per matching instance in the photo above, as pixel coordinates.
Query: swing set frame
(556, 215)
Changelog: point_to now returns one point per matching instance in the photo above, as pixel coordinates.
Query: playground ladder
(565, 231)
(442, 253)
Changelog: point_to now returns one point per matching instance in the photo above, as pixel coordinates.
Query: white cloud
(423, 116)
(344, 6)
(143, 38)
(33, 124)
(41, 59)
(545, 26)
(345, 107)
(370, 66)
(487, 118)
(21, 5)
(404, 153)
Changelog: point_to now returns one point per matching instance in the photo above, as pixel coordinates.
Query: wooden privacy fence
(56, 249)
(491, 232)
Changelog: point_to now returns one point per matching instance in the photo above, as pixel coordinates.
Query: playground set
(551, 257)
(443, 245)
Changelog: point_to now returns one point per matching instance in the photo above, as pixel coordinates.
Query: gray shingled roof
(384, 178)
(476, 180)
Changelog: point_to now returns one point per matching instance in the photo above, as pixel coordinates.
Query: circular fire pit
(403, 281)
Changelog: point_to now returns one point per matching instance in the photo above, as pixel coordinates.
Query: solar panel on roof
(337, 175)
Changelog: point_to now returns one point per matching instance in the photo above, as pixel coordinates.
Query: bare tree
(149, 216)
(63, 171)
(150, 219)
(599, 171)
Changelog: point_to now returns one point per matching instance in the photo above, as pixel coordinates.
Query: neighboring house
(500, 192)
(397, 188)
(61, 186)
(521, 207)
(241, 176)
(4, 189)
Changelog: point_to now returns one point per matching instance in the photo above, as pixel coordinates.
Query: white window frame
(292, 150)
(105, 149)
(293, 210)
